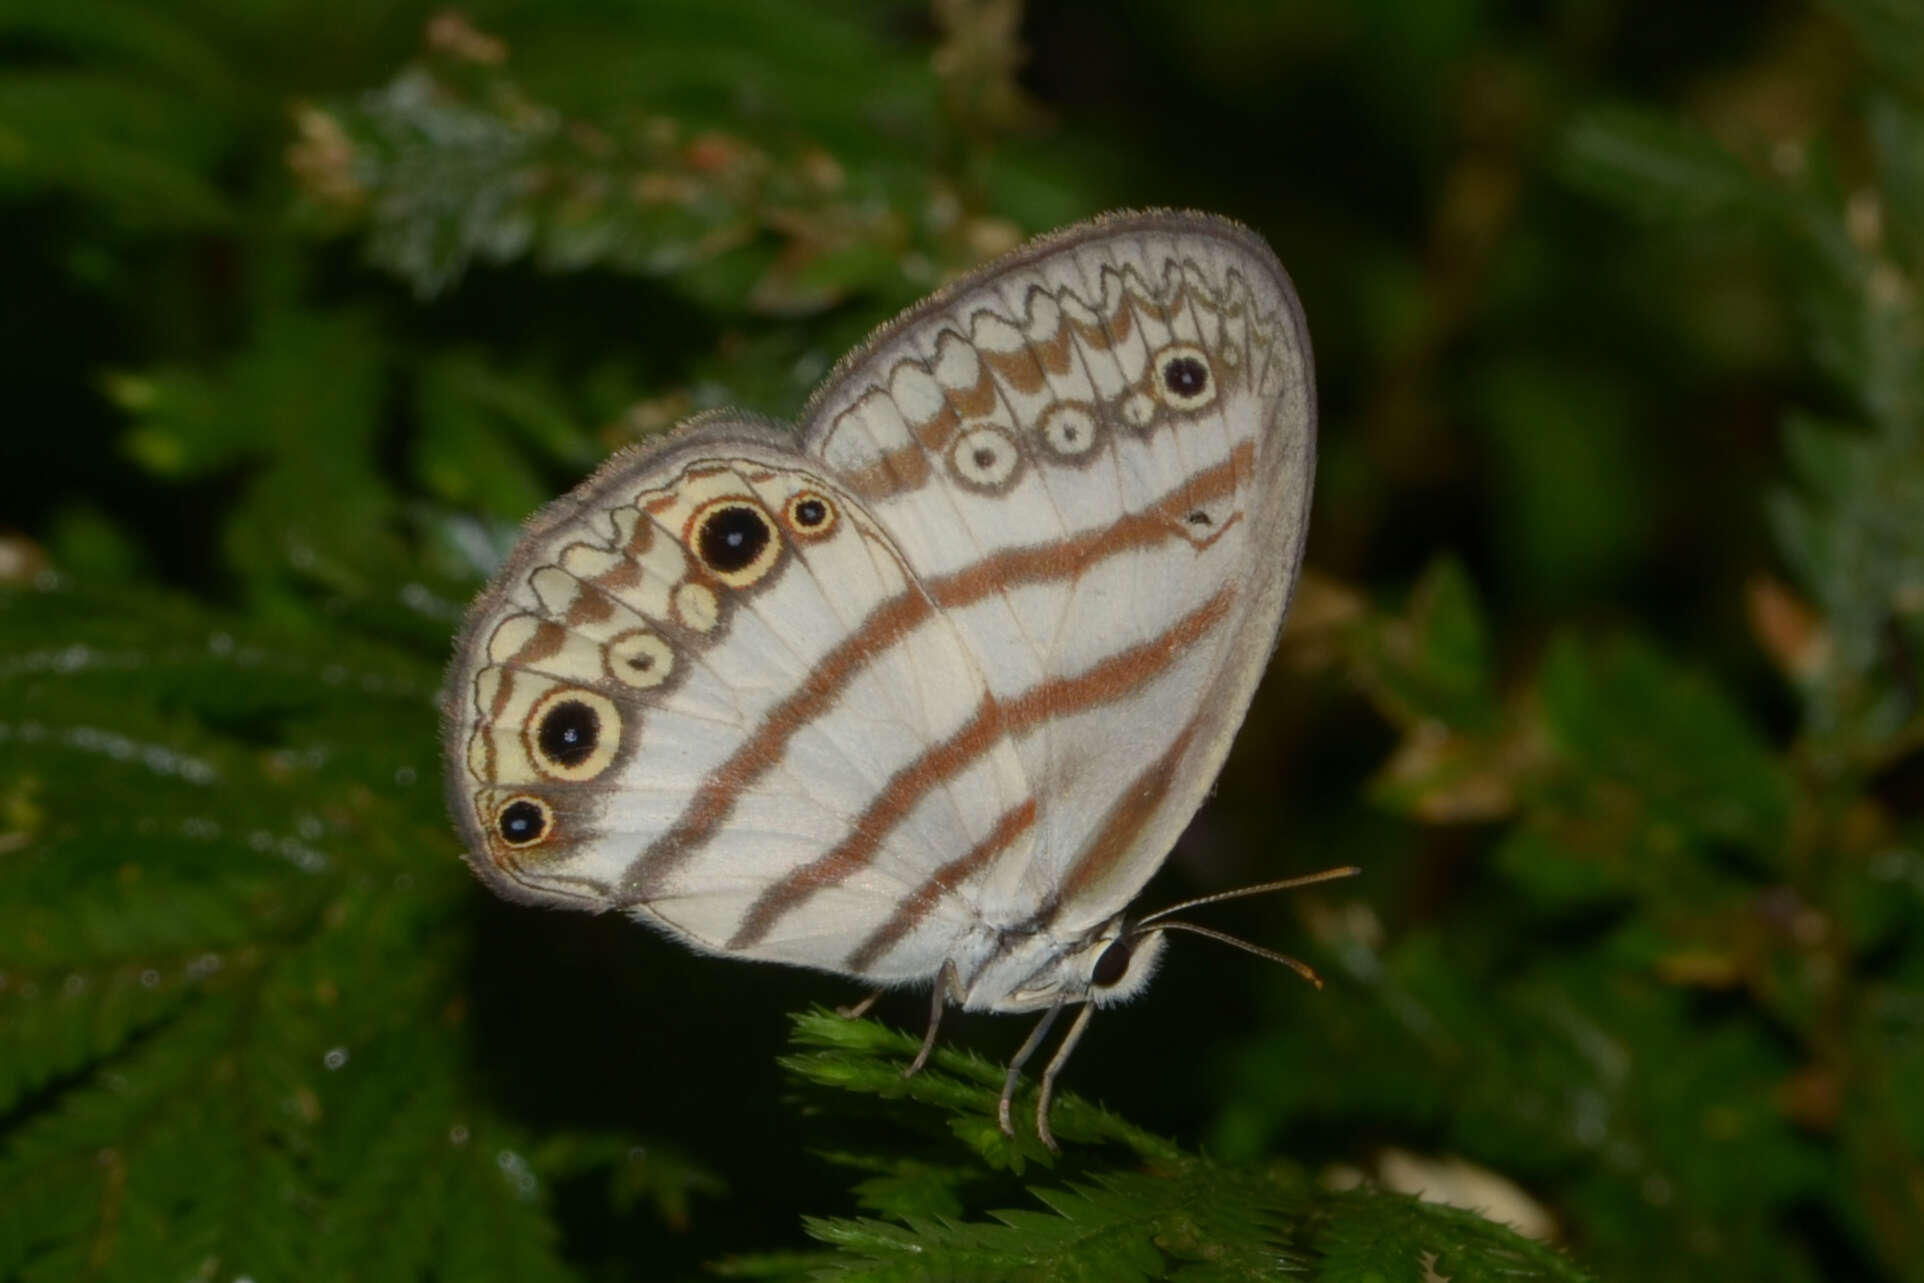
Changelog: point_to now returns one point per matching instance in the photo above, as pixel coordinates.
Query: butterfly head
(1110, 964)
(1114, 961)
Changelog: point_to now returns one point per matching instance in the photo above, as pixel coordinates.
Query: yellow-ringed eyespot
(523, 821)
(638, 658)
(810, 515)
(572, 734)
(735, 540)
(1183, 379)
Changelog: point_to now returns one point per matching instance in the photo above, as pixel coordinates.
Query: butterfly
(924, 690)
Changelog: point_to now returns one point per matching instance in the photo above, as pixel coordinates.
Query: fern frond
(1162, 1214)
(223, 998)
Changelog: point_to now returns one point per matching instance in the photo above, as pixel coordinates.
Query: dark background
(1609, 683)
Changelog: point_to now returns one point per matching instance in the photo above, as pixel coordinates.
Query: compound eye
(1112, 965)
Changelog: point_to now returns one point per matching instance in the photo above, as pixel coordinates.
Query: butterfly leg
(856, 1010)
(1022, 1054)
(945, 985)
(1056, 1062)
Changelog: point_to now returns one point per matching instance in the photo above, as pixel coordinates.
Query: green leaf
(1375, 1238)
(1652, 167)
(1166, 1215)
(132, 151)
(1571, 484)
(866, 1058)
(223, 999)
(1891, 32)
(1627, 718)
(129, 37)
(1897, 133)
(301, 404)
(1433, 663)
(478, 429)
(1848, 532)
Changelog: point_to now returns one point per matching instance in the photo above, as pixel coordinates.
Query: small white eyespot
(984, 458)
(1139, 410)
(1069, 428)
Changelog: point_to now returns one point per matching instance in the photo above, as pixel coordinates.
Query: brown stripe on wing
(1038, 563)
(1016, 821)
(1128, 817)
(715, 800)
(935, 433)
(979, 399)
(901, 469)
(548, 638)
(894, 472)
(1107, 681)
(1055, 352)
(1111, 329)
(1021, 369)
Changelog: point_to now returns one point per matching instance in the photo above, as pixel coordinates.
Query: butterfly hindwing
(1124, 577)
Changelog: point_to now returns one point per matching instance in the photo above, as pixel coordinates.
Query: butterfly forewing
(752, 705)
(958, 662)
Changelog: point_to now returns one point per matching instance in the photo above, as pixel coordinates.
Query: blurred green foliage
(1607, 668)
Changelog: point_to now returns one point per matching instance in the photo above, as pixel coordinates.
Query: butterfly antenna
(1261, 888)
(1297, 965)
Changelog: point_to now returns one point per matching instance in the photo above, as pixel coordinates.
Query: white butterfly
(927, 691)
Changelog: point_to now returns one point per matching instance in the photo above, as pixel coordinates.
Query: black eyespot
(568, 733)
(810, 513)
(1186, 377)
(522, 821)
(1112, 966)
(985, 459)
(1198, 518)
(731, 538)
